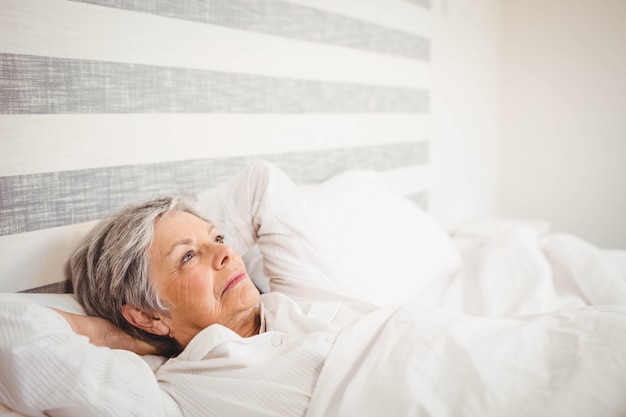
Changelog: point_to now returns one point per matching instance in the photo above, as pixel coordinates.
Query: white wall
(530, 114)
(465, 105)
(562, 141)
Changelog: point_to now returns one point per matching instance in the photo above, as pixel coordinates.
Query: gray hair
(110, 267)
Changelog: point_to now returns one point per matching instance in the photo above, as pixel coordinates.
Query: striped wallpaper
(108, 101)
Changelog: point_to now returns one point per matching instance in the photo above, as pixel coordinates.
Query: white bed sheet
(512, 272)
(414, 361)
(551, 340)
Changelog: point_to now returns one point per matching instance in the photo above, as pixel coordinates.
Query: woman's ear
(145, 321)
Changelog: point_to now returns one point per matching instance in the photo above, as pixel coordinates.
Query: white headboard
(108, 101)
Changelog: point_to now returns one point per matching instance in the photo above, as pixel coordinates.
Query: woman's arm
(102, 332)
(261, 205)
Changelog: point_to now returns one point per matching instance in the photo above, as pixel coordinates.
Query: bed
(512, 322)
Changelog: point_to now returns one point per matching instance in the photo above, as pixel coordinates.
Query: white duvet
(414, 362)
(551, 340)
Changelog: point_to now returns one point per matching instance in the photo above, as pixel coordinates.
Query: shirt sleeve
(47, 369)
(261, 205)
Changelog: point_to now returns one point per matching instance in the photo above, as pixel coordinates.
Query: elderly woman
(162, 273)
(175, 284)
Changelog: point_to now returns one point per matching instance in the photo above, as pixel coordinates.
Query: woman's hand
(102, 332)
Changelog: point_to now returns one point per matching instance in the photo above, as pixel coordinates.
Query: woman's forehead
(179, 225)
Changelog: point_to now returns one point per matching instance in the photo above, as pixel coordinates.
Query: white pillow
(383, 247)
(39, 351)
(65, 302)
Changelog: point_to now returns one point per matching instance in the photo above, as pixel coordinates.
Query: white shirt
(271, 374)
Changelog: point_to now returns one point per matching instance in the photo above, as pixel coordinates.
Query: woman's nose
(222, 255)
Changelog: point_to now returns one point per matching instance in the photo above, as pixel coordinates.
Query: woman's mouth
(234, 280)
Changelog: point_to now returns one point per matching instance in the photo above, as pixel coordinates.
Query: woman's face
(200, 278)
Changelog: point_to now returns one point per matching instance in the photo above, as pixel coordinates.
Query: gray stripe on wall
(284, 19)
(40, 201)
(42, 85)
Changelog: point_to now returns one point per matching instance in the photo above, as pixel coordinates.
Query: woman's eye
(219, 239)
(187, 257)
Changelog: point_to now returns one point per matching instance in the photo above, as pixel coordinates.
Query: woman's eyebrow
(187, 241)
